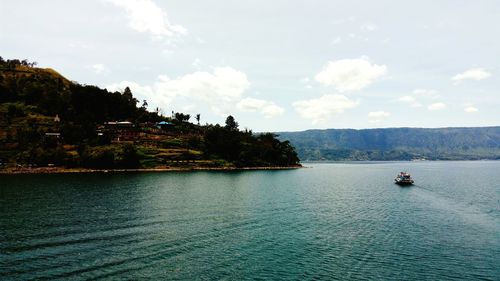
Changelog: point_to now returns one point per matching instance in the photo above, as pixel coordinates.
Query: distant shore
(61, 170)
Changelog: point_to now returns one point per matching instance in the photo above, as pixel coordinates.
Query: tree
(130, 158)
(181, 117)
(129, 97)
(222, 142)
(198, 118)
(127, 93)
(231, 124)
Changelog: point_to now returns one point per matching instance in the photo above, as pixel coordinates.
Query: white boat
(404, 179)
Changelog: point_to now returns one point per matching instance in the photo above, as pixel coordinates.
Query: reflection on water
(331, 221)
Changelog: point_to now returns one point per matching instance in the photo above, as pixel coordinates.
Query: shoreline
(60, 170)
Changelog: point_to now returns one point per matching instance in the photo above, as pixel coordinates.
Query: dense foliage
(397, 144)
(31, 97)
(245, 149)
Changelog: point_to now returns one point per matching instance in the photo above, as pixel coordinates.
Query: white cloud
(151, 93)
(408, 99)
(369, 27)
(472, 74)
(321, 109)
(378, 114)
(350, 74)
(267, 108)
(146, 16)
(100, 68)
(418, 94)
(218, 89)
(376, 117)
(411, 100)
(437, 106)
(426, 93)
(188, 108)
(224, 83)
(471, 109)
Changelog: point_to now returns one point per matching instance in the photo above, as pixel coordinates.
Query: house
(164, 125)
(119, 130)
(53, 135)
(119, 124)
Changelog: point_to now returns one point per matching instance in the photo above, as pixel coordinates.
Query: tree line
(12, 64)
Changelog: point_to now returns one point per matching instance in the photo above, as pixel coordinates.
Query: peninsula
(51, 124)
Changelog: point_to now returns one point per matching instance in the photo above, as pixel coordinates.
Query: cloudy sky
(276, 65)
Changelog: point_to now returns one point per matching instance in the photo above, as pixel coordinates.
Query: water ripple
(324, 223)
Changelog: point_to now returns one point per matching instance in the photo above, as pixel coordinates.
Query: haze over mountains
(472, 143)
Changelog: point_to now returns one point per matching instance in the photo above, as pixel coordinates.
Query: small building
(119, 130)
(164, 125)
(119, 124)
(53, 135)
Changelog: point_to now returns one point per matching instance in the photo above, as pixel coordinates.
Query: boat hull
(403, 183)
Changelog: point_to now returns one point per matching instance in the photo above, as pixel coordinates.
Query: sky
(276, 65)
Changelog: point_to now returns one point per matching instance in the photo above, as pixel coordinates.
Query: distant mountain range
(396, 144)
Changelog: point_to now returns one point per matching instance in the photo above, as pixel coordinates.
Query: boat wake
(468, 212)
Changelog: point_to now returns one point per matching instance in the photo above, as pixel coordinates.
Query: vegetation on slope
(397, 144)
(45, 119)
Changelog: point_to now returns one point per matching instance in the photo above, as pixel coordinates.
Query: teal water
(339, 221)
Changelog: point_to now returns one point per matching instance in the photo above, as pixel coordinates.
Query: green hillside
(397, 144)
(47, 120)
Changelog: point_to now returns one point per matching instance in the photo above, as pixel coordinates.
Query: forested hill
(397, 143)
(48, 120)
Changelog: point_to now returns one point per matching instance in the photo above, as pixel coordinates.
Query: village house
(119, 130)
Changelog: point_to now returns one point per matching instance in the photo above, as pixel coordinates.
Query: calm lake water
(328, 222)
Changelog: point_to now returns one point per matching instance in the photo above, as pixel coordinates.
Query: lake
(332, 221)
